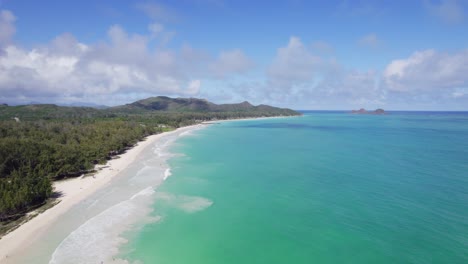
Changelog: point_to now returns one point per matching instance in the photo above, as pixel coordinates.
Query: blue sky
(410, 55)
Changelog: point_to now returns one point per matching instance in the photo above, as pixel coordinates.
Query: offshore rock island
(363, 111)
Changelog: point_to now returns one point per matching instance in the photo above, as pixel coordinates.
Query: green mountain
(183, 105)
(153, 105)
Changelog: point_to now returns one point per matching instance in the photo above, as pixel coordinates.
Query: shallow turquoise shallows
(328, 187)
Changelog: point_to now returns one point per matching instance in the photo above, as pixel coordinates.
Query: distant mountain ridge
(152, 105)
(167, 104)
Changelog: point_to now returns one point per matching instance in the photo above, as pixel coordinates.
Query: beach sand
(73, 192)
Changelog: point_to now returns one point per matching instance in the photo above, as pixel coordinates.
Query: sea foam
(186, 203)
(99, 238)
(167, 173)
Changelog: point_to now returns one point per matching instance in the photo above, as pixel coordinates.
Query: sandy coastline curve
(73, 192)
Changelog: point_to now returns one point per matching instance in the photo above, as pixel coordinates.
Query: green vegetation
(42, 143)
(32, 153)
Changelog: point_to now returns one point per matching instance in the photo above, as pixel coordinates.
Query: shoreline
(73, 191)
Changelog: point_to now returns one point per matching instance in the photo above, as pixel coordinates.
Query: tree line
(33, 153)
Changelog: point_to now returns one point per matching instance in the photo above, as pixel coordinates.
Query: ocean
(327, 187)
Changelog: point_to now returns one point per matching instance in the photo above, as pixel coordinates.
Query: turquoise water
(327, 187)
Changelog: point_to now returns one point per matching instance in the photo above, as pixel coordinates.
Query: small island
(363, 111)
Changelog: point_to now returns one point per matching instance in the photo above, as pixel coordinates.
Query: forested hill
(44, 142)
(46, 111)
(183, 105)
(199, 108)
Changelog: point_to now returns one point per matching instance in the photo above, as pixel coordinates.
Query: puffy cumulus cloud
(302, 76)
(428, 71)
(119, 67)
(44, 72)
(424, 80)
(228, 62)
(298, 76)
(294, 63)
(65, 68)
(66, 44)
(449, 11)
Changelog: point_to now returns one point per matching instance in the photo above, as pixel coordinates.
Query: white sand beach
(73, 192)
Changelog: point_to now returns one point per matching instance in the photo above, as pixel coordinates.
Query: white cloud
(125, 66)
(7, 27)
(449, 11)
(120, 67)
(370, 40)
(67, 44)
(295, 62)
(47, 72)
(66, 68)
(297, 76)
(229, 62)
(427, 70)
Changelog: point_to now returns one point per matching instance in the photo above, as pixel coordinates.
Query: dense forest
(43, 143)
